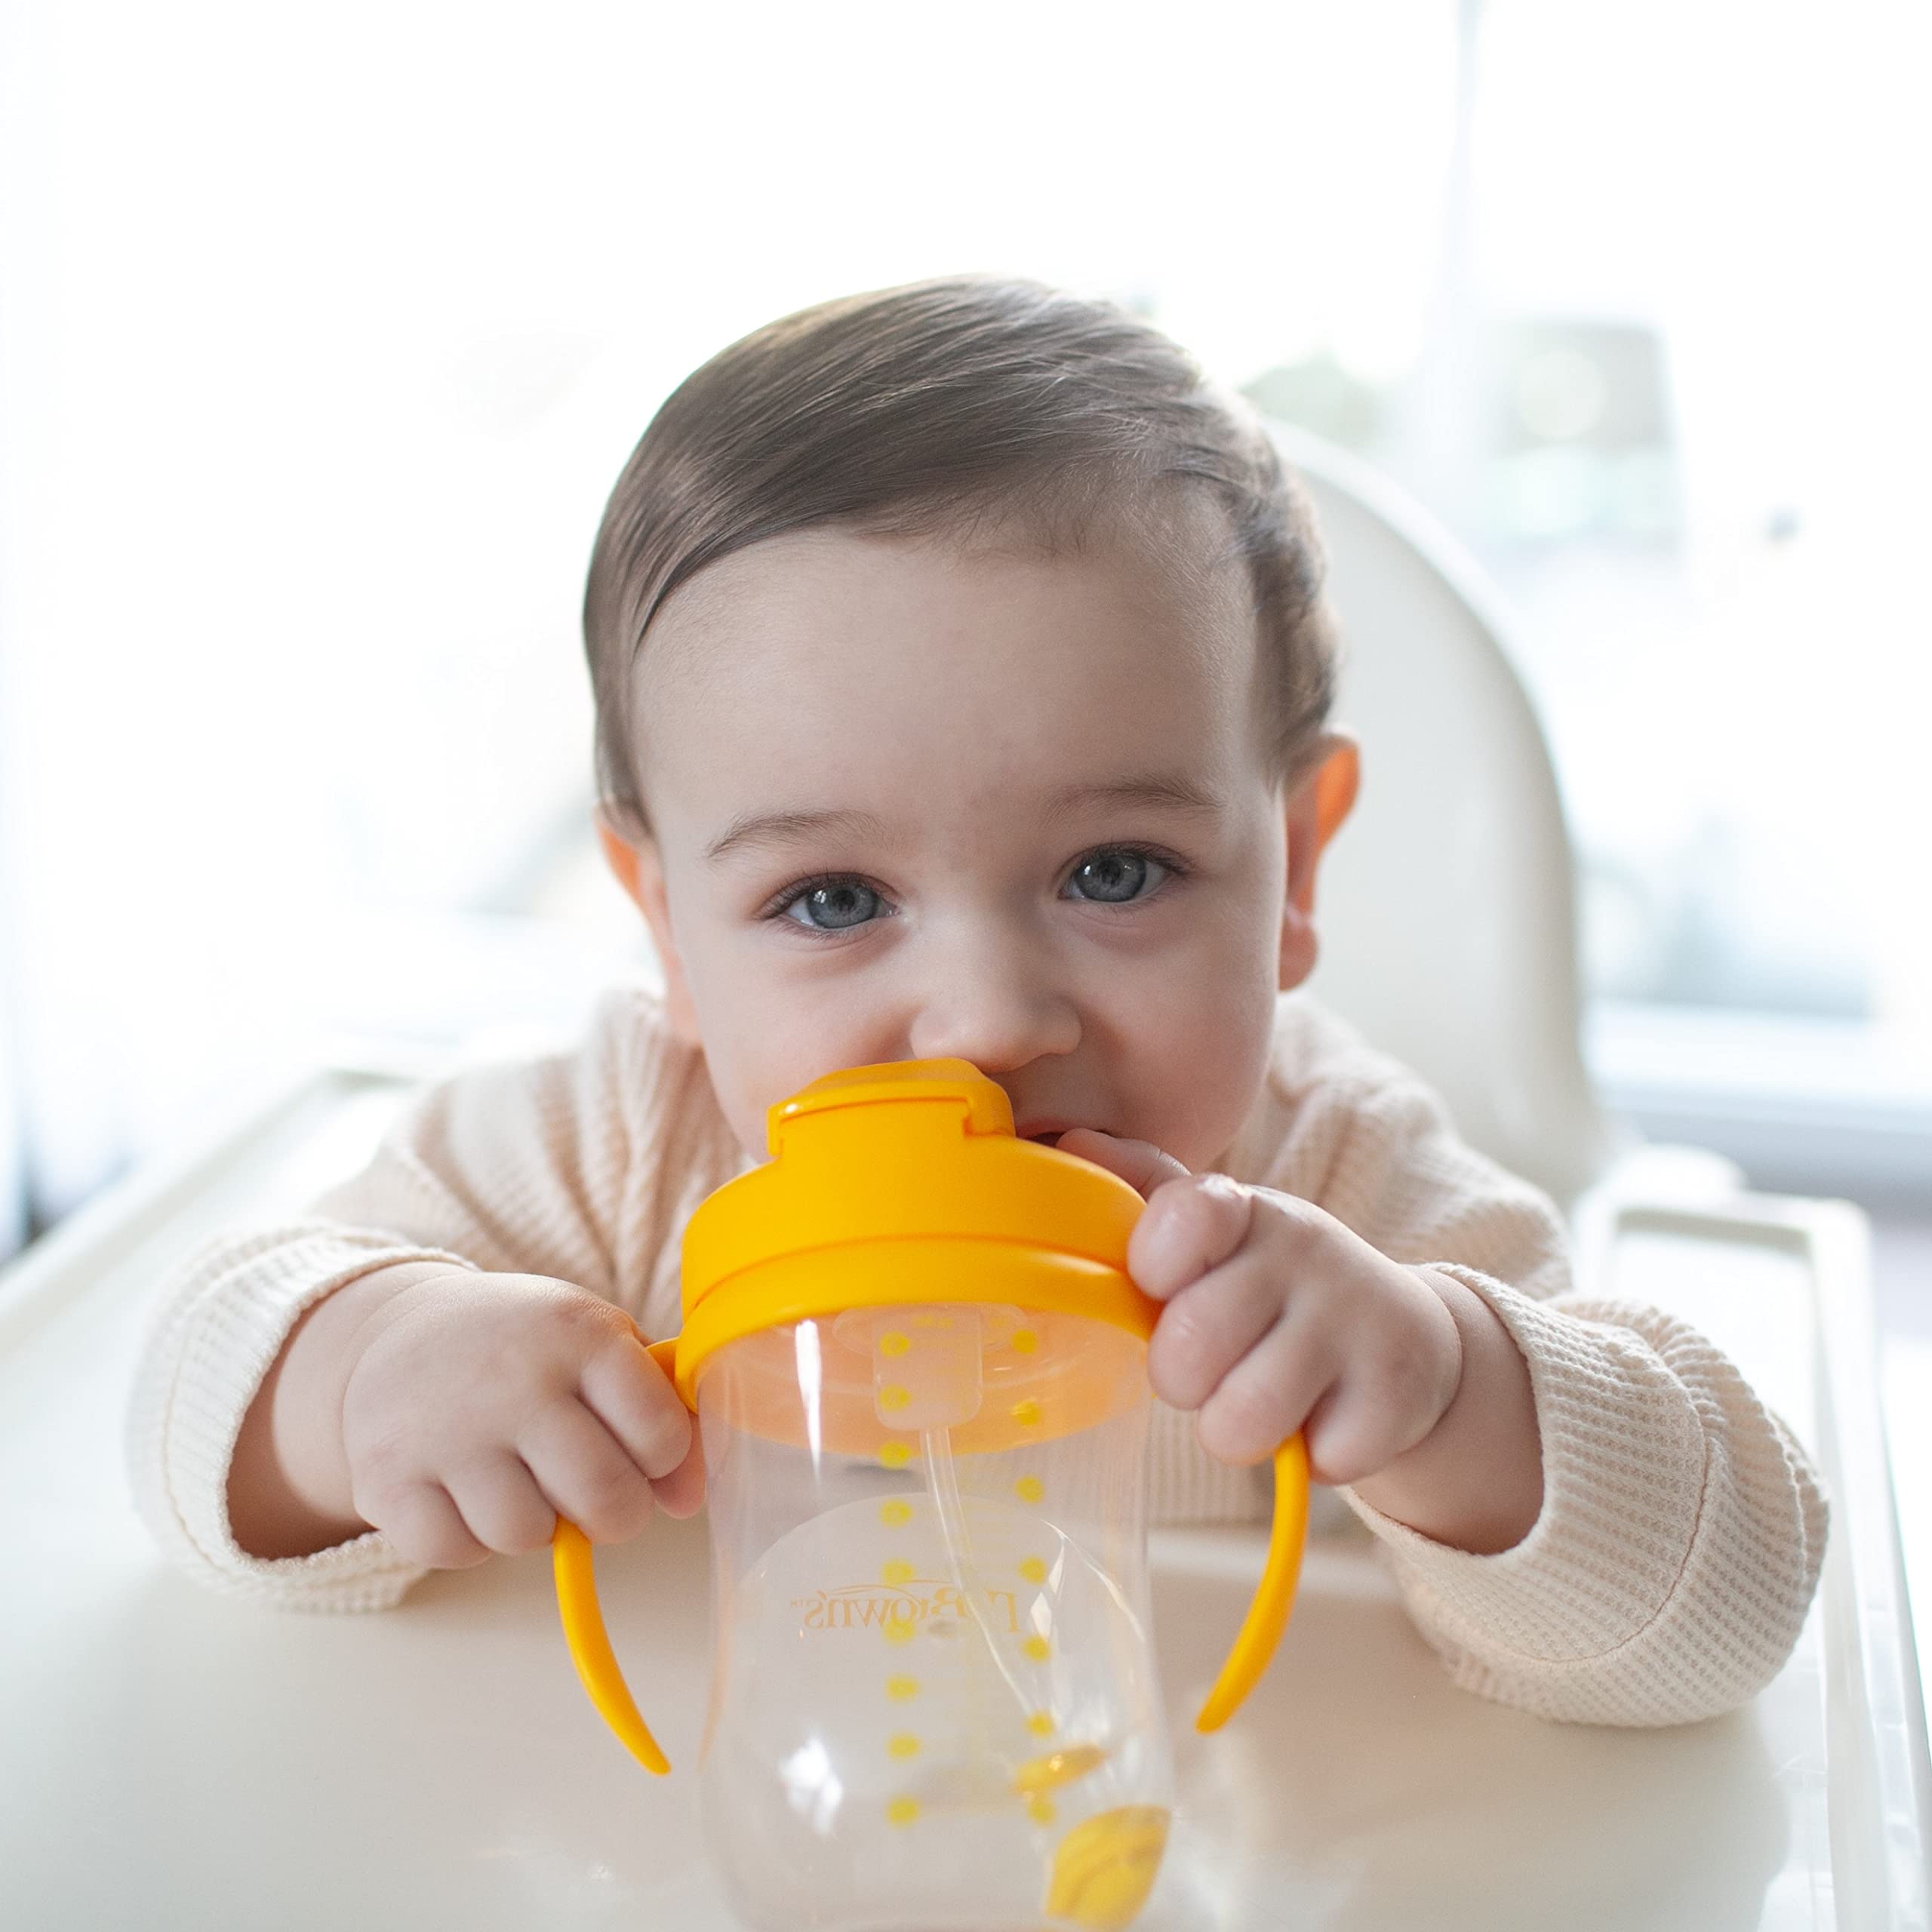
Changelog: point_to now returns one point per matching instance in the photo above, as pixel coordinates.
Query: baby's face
(909, 801)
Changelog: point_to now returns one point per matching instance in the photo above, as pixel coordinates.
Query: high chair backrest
(1446, 905)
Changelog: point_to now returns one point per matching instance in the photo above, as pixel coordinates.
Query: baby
(963, 684)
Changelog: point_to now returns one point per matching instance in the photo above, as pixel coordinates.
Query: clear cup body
(933, 1702)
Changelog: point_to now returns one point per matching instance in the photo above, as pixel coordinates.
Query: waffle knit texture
(1682, 1527)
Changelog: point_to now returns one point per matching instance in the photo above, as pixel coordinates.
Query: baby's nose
(999, 1012)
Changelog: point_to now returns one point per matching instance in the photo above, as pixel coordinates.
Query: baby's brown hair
(939, 408)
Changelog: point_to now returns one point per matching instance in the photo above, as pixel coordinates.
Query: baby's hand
(481, 1407)
(1280, 1318)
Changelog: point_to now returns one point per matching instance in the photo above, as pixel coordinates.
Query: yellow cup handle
(1268, 1614)
(583, 1625)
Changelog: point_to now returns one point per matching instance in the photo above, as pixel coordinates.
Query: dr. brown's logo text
(872, 1605)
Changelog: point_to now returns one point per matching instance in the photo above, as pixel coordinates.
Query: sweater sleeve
(1683, 1526)
(525, 1168)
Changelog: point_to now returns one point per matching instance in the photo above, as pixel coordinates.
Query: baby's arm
(289, 1491)
(560, 1169)
(1590, 1514)
(1670, 1567)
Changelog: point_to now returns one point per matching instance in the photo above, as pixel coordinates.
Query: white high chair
(1446, 905)
(185, 1745)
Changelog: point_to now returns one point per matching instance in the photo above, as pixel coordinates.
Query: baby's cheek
(1206, 1059)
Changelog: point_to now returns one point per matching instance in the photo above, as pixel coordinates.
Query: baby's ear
(1314, 808)
(1335, 780)
(632, 854)
(619, 843)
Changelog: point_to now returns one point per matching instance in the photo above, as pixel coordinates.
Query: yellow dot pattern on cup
(1037, 1648)
(1041, 1809)
(903, 1810)
(898, 1571)
(1025, 1413)
(895, 1455)
(905, 1745)
(1040, 1725)
(894, 1343)
(1025, 1341)
(895, 1397)
(902, 1690)
(894, 1511)
(900, 1629)
(1034, 1569)
(1029, 1489)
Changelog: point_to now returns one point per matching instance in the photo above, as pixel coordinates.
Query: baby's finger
(633, 1398)
(1189, 1226)
(1139, 1163)
(502, 1504)
(1265, 1398)
(587, 1477)
(681, 1493)
(1207, 1327)
(422, 1521)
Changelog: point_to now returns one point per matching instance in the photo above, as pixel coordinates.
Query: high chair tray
(176, 1758)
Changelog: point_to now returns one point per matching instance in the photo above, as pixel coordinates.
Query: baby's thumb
(1139, 1163)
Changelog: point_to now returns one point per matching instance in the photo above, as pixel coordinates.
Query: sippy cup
(918, 1366)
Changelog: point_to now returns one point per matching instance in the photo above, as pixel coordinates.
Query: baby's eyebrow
(791, 828)
(1172, 791)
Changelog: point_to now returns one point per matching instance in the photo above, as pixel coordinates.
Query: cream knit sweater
(1682, 1527)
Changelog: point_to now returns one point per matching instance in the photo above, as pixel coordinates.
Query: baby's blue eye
(844, 903)
(1114, 877)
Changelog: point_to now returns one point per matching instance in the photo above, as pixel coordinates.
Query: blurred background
(323, 337)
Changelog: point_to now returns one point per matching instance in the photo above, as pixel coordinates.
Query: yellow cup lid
(919, 1150)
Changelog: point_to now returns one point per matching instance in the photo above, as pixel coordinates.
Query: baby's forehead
(1176, 542)
(830, 660)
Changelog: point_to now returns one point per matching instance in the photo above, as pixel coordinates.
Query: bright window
(327, 334)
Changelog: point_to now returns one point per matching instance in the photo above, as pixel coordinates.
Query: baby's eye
(1116, 875)
(831, 905)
